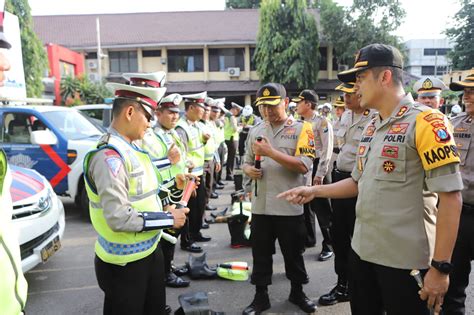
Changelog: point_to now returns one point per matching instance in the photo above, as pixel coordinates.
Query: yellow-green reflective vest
(210, 147)
(195, 151)
(120, 248)
(220, 136)
(13, 286)
(157, 142)
(249, 121)
(229, 131)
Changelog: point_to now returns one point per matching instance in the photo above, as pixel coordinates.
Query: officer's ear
(129, 111)
(441, 101)
(287, 101)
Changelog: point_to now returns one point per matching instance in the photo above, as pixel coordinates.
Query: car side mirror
(45, 137)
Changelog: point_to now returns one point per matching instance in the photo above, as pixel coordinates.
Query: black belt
(342, 172)
(467, 208)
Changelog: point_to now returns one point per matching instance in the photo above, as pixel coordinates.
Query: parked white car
(38, 215)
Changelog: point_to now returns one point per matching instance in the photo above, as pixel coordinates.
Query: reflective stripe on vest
(123, 247)
(195, 146)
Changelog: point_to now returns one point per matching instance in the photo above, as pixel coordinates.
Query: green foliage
(242, 4)
(81, 90)
(462, 56)
(366, 22)
(35, 61)
(287, 44)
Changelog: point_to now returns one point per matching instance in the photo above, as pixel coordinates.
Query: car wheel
(84, 205)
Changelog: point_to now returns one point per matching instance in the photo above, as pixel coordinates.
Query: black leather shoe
(205, 225)
(221, 183)
(201, 238)
(338, 294)
(173, 281)
(179, 271)
(218, 187)
(192, 248)
(229, 177)
(168, 309)
(211, 208)
(305, 304)
(325, 255)
(260, 303)
(214, 195)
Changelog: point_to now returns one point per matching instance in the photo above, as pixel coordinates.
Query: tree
(287, 44)
(81, 90)
(242, 4)
(35, 61)
(462, 55)
(366, 22)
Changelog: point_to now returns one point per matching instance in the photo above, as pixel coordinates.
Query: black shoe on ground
(202, 238)
(205, 225)
(229, 177)
(325, 255)
(218, 187)
(168, 310)
(173, 281)
(211, 208)
(192, 248)
(338, 294)
(179, 271)
(302, 301)
(260, 303)
(221, 183)
(214, 195)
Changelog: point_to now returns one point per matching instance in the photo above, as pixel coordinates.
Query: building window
(253, 65)
(151, 53)
(436, 51)
(220, 59)
(441, 70)
(427, 70)
(185, 60)
(323, 58)
(91, 55)
(123, 61)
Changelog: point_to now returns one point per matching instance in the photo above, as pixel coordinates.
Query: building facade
(200, 50)
(427, 57)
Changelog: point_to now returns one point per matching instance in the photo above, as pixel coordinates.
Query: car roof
(38, 108)
(93, 106)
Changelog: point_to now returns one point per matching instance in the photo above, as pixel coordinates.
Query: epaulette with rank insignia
(366, 112)
(104, 140)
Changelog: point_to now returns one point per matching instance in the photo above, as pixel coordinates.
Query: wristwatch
(442, 266)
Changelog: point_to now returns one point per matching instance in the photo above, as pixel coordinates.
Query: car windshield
(72, 124)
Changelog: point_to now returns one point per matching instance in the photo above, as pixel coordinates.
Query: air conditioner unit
(93, 76)
(233, 72)
(92, 64)
(342, 68)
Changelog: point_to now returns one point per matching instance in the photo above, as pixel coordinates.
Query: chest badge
(388, 166)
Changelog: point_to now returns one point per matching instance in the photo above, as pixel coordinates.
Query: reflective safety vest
(249, 121)
(13, 286)
(220, 136)
(195, 145)
(229, 131)
(211, 146)
(120, 248)
(157, 143)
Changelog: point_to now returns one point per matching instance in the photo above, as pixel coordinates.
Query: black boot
(173, 281)
(260, 303)
(298, 297)
(326, 252)
(338, 294)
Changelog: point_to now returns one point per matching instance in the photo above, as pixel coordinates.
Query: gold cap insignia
(266, 92)
(427, 84)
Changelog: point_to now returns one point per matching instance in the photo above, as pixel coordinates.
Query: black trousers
(196, 206)
(322, 208)
(375, 289)
(231, 148)
(136, 288)
(242, 139)
(168, 255)
(221, 151)
(342, 229)
(290, 233)
(209, 168)
(463, 254)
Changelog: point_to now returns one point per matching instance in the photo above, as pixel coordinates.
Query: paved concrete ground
(66, 284)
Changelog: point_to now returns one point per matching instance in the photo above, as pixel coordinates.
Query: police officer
(13, 286)
(217, 117)
(306, 102)
(247, 121)
(194, 140)
(429, 91)
(125, 210)
(168, 154)
(231, 133)
(463, 125)
(406, 147)
(287, 149)
(348, 135)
